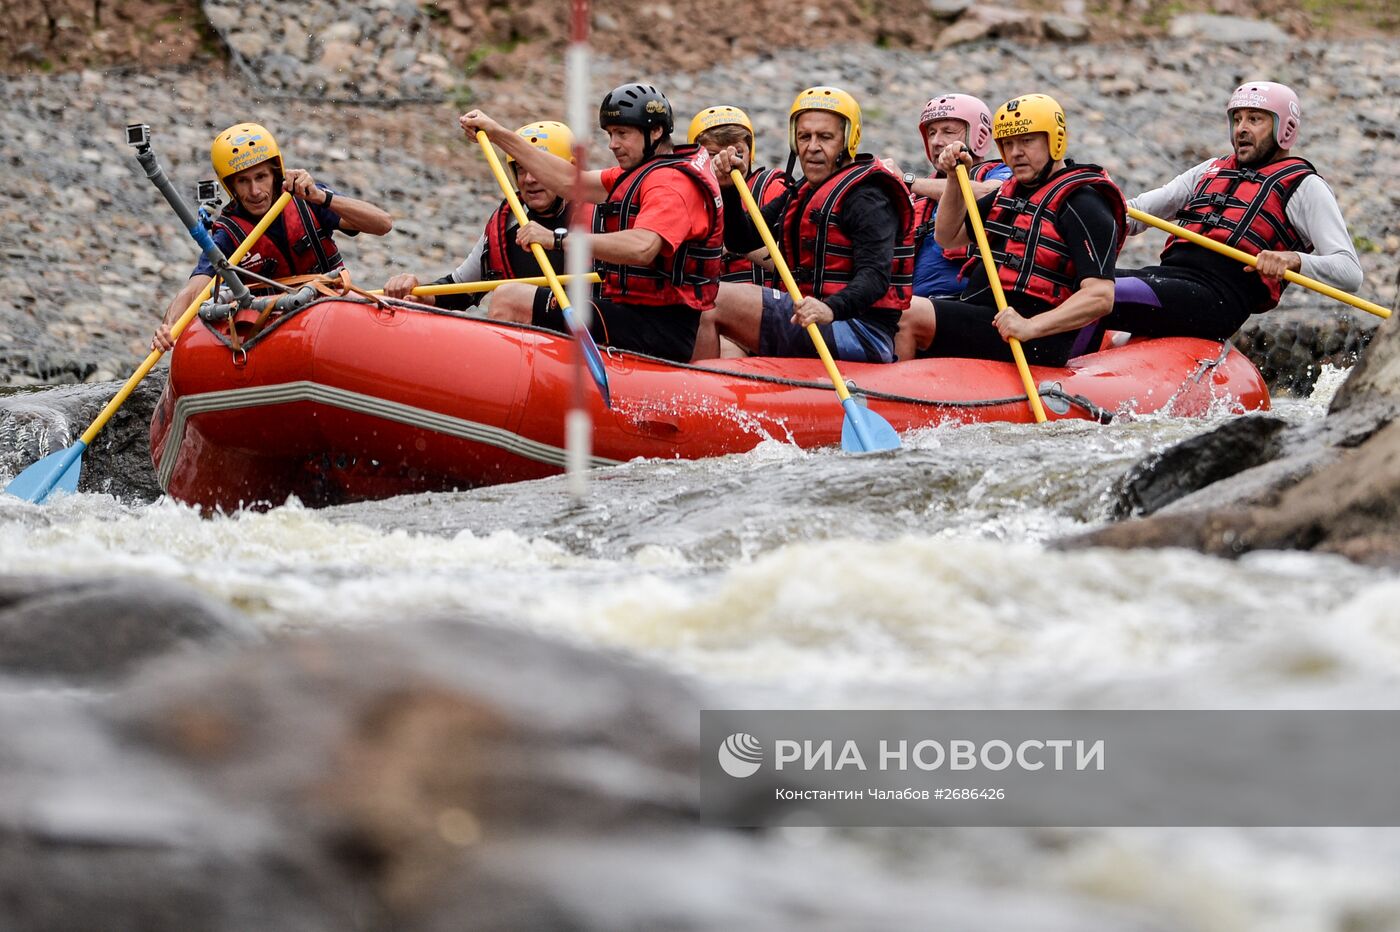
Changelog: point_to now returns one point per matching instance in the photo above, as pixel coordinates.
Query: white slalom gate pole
(578, 426)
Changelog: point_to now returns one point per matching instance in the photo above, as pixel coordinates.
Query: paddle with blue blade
(59, 472)
(591, 356)
(862, 431)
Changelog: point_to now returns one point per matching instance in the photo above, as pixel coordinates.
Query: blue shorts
(849, 340)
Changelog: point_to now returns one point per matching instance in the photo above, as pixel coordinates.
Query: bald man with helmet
(249, 164)
(1260, 199)
(947, 119)
(496, 254)
(845, 230)
(1055, 228)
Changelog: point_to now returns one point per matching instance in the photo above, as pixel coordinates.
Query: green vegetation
(462, 97)
(485, 50)
(1364, 244)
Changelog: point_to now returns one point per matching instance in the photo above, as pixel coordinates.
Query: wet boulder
(38, 422)
(83, 630)
(422, 777)
(1289, 346)
(1196, 463)
(1333, 487)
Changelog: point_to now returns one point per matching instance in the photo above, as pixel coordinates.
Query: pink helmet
(960, 107)
(1277, 99)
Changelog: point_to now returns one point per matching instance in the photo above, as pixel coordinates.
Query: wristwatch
(910, 178)
(559, 234)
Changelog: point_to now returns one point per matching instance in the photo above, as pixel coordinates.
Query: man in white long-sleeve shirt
(1259, 199)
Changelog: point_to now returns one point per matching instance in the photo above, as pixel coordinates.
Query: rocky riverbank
(92, 254)
(1258, 484)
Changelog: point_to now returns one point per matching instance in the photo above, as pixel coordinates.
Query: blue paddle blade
(591, 355)
(57, 472)
(864, 431)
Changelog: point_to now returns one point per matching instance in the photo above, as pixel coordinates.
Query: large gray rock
(36, 423)
(1333, 487)
(1374, 384)
(101, 628)
(1213, 27)
(1065, 28)
(1290, 346)
(424, 778)
(1196, 463)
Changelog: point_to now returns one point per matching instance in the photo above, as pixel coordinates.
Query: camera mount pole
(139, 136)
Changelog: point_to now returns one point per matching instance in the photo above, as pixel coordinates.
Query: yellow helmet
(551, 136)
(1033, 113)
(711, 117)
(241, 146)
(832, 100)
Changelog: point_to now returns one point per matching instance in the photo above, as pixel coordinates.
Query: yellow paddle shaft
(1018, 354)
(519, 210)
(786, 275)
(179, 327)
(1244, 257)
(478, 287)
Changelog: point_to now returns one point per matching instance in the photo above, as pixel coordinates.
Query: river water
(919, 579)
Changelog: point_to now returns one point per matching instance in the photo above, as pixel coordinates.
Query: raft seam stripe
(287, 392)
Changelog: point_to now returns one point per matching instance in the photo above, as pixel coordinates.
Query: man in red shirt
(658, 228)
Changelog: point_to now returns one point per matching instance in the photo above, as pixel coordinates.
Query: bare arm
(355, 215)
(359, 215)
(1093, 300)
(554, 173)
(625, 247)
(934, 188)
(949, 226)
(162, 340)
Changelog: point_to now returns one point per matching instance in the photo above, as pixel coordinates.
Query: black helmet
(639, 105)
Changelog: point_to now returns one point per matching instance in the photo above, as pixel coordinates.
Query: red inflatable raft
(345, 401)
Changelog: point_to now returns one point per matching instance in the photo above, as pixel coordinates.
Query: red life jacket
(924, 208)
(313, 250)
(821, 256)
(690, 276)
(767, 185)
(1030, 254)
(1247, 208)
(502, 258)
